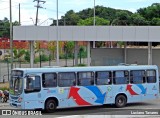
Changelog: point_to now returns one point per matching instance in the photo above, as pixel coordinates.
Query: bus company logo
(6, 112)
(109, 88)
(154, 88)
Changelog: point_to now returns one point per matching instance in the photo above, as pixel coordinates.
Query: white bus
(51, 88)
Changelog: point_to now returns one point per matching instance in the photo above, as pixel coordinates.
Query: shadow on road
(97, 110)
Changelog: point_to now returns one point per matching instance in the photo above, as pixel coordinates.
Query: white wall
(88, 33)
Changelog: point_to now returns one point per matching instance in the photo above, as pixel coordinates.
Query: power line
(8, 7)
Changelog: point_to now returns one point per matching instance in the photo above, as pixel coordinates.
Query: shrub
(81, 65)
(4, 88)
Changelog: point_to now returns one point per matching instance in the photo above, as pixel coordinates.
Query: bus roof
(89, 68)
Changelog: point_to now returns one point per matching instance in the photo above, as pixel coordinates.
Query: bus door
(32, 94)
(152, 89)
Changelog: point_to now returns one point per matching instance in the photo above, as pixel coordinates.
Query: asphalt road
(105, 110)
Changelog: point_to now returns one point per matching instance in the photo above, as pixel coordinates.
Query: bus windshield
(16, 84)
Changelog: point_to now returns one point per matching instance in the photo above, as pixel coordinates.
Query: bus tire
(50, 106)
(120, 101)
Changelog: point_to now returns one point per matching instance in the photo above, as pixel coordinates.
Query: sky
(49, 10)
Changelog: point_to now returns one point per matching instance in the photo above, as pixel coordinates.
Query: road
(109, 110)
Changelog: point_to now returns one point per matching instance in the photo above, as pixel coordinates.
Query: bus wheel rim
(120, 101)
(51, 106)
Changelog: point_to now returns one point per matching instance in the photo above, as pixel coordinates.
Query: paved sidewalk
(4, 104)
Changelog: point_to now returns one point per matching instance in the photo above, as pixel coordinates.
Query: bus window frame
(143, 78)
(151, 76)
(44, 81)
(30, 90)
(111, 78)
(92, 79)
(128, 77)
(74, 82)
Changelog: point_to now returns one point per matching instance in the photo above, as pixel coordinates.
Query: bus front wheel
(120, 101)
(50, 106)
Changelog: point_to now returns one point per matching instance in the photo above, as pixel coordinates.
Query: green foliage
(18, 53)
(120, 43)
(70, 18)
(69, 47)
(100, 43)
(102, 12)
(122, 18)
(44, 57)
(5, 27)
(80, 65)
(27, 56)
(89, 21)
(155, 21)
(150, 12)
(82, 52)
(137, 19)
(4, 88)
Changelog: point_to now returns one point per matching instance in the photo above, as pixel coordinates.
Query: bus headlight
(20, 99)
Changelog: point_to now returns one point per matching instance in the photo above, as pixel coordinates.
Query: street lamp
(46, 20)
(32, 20)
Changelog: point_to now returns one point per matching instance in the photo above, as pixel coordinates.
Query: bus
(63, 87)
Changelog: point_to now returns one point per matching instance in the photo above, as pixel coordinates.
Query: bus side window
(103, 78)
(151, 76)
(49, 79)
(121, 77)
(66, 79)
(85, 78)
(137, 76)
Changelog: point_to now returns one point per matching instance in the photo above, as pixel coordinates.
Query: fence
(5, 66)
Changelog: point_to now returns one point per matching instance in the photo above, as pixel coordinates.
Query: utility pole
(94, 22)
(38, 6)
(11, 33)
(19, 60)
(57, 43)
(32, 42)
(19, 14)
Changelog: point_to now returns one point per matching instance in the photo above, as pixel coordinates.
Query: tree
(71, 18)
(81, 50)
(5, 27)
(89, 21)
(122, 18)
(155, 21)
(150, 12)
(52, 48)
(68, 48)
(18, 54)
(137, 19)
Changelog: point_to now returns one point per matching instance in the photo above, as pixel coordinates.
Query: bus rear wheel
(120, 101)
(50, 106)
